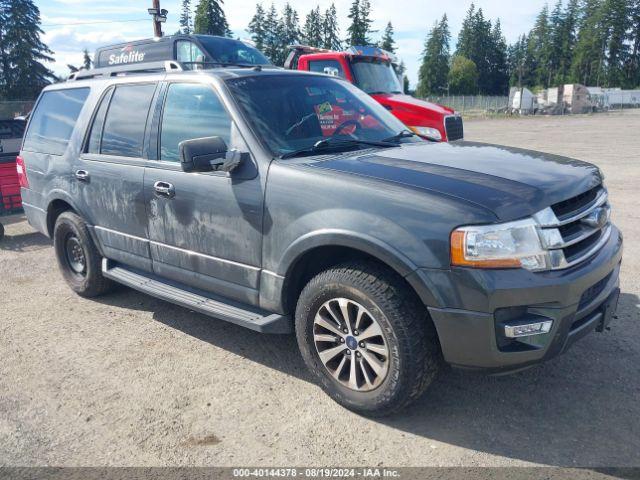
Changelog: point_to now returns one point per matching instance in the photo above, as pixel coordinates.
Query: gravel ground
(129, 380)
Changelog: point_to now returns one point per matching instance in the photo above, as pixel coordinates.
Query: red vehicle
(374, 71)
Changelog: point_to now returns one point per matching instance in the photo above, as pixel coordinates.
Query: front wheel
(366, 338)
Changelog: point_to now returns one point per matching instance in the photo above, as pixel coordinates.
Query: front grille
(454, 127)
(575, 229)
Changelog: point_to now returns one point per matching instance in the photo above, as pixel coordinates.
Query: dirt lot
(129, 380)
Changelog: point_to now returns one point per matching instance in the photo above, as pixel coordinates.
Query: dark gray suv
(292, 202)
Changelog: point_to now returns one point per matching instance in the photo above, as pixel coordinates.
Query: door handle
(82, 175)
(164, 189)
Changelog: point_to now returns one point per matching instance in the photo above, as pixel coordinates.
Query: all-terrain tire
(415, 357)
(72, 242)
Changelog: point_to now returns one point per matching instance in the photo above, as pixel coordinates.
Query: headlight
(507, 245)
(428, 132)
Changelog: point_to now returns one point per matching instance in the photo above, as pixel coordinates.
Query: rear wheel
(366, 338)
(78, 257)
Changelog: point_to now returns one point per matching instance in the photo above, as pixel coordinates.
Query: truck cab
(375, 71)
(194, 52)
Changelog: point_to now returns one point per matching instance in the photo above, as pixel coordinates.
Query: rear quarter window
(54, 119)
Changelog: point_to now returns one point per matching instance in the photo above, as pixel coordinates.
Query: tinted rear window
(54, 119)
(11, 129)
(126, 120)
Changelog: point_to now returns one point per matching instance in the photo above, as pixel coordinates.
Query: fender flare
(382, 251)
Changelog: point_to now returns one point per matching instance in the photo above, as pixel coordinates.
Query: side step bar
(222, 309)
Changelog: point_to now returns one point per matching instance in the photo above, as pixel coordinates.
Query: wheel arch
(318, 251)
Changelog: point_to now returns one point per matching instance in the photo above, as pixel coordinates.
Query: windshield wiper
(333, 142)
(399, 136)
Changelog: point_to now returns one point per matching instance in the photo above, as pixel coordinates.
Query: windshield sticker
(324, 108)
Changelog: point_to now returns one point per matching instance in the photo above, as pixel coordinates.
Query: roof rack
(164, 66)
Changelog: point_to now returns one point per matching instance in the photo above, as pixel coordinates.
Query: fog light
(528, 329)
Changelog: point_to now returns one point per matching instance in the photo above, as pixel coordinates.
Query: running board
(222, 309)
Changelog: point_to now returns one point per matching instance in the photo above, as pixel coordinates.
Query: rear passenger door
(109, 174)
(208, 232)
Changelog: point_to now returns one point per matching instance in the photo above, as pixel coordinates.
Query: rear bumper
(480, 302)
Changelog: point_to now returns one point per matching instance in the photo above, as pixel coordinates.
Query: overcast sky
(72, 25)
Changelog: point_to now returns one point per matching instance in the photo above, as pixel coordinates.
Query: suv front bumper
(478, 303)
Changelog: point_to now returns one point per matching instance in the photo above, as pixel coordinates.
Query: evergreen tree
(273, 33)
(538, 49)
(22, 51)
(388, 43)
(360, 27)
(433, 75)
(633, 63)
(290, 33)
(186, 18)
(257, 27)
(519, 63)
(210, 19)
(618, 21)
(86, 60)
(313, 32)
(588, 58)
(498, 69)
(331, 31)
(555, 46)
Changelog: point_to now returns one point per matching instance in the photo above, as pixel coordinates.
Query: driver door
(205, 229)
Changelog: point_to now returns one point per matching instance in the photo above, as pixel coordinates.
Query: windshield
(375, 76)
(233, 52)
(294, 112)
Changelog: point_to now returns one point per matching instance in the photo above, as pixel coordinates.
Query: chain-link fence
(471, 105)
(12, 109)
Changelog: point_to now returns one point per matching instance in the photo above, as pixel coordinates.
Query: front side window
(292, 112)
(227, 51)
(375, 76)
(189, 53)
(328, 67)
(191, 111)
(126, 120)
(54, 120)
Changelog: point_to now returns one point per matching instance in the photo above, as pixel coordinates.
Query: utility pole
(159, 17)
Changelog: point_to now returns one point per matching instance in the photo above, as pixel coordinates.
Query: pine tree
(434, 70)
(210, 19)
(617, 19)
(498, 72)
(519, 63)
(273, 33)
(186, 18)
(22, 51)
(257, 27)
(360, 27)
(633, 63)
(388, 43)
(290, 33)
(86, 60)
(330, 30)
(313, 29)
(589, 54)
(538, 48)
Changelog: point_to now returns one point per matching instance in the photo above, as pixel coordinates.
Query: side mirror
(208, 154)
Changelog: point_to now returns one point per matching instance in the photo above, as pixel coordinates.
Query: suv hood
(512, 183)
(411, 104)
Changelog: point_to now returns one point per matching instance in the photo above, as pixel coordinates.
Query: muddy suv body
(225, 192)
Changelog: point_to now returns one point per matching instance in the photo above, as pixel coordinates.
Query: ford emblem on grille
(598, 218)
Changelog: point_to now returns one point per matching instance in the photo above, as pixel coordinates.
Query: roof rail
(164, 66)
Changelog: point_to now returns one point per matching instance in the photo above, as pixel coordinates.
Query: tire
(1, 231)
(413, 352)
(78, 257)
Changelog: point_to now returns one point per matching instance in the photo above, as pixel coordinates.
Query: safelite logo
(127, 55)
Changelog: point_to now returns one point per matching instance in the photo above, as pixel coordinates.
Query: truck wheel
(78, 256)
(366, 338)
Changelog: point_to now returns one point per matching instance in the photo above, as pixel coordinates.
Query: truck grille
(575, 229)
(454, 127)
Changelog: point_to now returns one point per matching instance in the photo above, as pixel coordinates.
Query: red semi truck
(374, 71)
